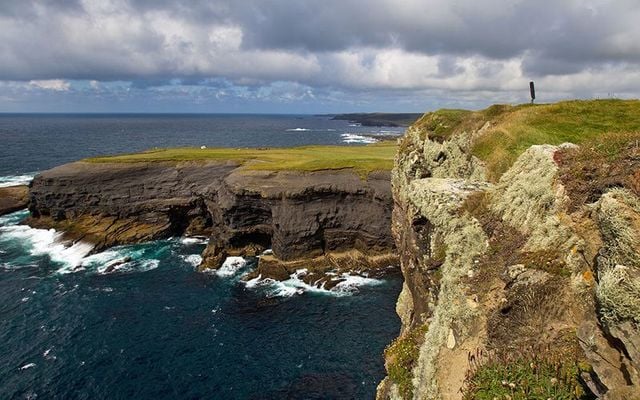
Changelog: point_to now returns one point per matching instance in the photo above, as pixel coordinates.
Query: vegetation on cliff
(505, 132)
(526, 378)
(402, 356)
(363, 159)
(553, 191)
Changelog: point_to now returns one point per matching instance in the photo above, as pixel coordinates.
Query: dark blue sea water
(155, 328)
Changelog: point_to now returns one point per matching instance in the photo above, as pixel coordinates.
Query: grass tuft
(569, 121)
(402, 355)
(524, 378)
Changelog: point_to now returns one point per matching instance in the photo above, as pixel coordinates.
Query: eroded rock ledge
(13, 198)
(302, 216)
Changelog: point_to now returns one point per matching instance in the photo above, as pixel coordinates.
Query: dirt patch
(523, 293)
(611, 161)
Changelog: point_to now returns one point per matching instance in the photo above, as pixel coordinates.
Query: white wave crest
(193, 259)
(194, 240)
(40, 242)
(27, 366)
(13, 218)
(348, 285)
(298, 130)
(13, 180)
(355, 138)
(119, 259)
(230, 267)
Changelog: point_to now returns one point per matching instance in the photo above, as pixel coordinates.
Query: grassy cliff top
(513, 129)
(362, 159)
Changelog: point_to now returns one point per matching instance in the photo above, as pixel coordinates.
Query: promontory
(517, 230)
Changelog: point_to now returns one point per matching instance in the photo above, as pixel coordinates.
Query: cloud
(353, 47)
(58, 85)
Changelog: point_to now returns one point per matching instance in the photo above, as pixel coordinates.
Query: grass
(518, 128)
(401, 356)
(441, 124)
(607, 161)
(362, 159)
(513, 129)
(526, 378)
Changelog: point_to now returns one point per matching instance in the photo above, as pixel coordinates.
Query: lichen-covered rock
(511, 271)
(437, 245)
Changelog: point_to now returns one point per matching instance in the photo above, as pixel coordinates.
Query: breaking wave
(231, 267)
(347, 285)
(13, 180)
(355, 138)
(22, 246)
(193, 259)
(40, 242)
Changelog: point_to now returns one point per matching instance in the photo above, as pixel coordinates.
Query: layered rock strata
(301, 216)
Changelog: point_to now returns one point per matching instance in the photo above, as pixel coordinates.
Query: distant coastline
(379, 119)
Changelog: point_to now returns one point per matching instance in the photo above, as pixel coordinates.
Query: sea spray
(348, 285)
(14, 180)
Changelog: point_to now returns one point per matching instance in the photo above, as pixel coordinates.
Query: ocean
(157, 329)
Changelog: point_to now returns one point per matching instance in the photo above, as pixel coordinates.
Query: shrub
(524, 378)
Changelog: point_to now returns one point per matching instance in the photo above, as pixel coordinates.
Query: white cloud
(58, 85)
(469, 48)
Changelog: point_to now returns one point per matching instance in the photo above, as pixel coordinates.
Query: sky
(303, 56)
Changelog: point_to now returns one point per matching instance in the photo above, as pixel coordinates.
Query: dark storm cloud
(351, 45)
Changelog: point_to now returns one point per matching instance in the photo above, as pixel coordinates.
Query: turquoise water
(153, 328)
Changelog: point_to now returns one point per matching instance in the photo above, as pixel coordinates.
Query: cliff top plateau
(362, 159)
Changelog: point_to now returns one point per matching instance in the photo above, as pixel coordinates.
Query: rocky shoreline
(329, 219)
(13, 198)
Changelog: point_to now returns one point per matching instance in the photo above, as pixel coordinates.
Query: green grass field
(362, 159)
(513, 129)
(577, 122)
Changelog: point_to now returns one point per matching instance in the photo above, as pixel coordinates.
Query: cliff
(519, 253)
(318, 217)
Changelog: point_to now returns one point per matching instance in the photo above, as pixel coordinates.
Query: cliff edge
(310, 216)
(520, 254)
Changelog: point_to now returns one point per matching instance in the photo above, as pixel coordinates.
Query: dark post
(532, 89)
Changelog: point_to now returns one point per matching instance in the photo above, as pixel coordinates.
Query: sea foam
(46, 242)
(348, 285)
(13, 180)
(355, 138)
(230, 267)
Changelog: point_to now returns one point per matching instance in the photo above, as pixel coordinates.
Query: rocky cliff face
(321, 216)
(512, 274)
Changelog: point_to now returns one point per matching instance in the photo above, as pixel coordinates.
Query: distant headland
(380, 119)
